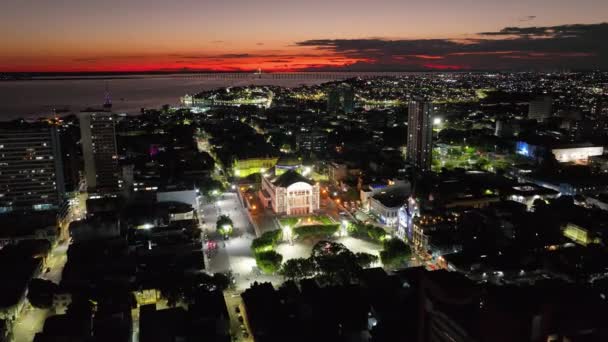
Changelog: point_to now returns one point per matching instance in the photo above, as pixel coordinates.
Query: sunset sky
(289, 35)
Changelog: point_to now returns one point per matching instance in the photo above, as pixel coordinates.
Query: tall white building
(98, 139)
(420, 134)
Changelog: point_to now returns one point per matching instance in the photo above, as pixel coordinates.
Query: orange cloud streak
(278, 63)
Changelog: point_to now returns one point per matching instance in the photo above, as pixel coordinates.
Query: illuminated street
(32, 319)
(235, 253)
(370, 171)
(29, 323)
(56, 260)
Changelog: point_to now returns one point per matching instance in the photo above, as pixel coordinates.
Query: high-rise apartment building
(420, 134)
(341, 98)
(539, 108)
(313, 141)
(31, 170)
(98, 139)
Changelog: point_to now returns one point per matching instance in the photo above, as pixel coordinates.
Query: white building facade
(568, 155)
(290, 194)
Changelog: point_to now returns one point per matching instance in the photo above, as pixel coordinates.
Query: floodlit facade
(568, 155)
(290, 194)
(248, 166)
(386, 203)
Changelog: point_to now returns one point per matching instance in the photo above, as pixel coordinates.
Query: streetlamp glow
(287, 234)
(343, 227)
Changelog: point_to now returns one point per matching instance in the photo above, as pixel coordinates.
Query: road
(226, 204)
(31, 320)
(235, 253)
(265, 220)
(56, 260)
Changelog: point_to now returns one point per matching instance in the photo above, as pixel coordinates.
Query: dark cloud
(259, 44)
(225, 56)
(527, 18)
(189, 56)
(565, 46)
(580, 31)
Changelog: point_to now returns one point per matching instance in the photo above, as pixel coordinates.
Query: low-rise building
(528, 193)
(599, 200)
(386, 204)
(98, 227)
(188, 196)
(579, 234)
(577, 153)
(599, 164)
(244, 167)
(338, 172)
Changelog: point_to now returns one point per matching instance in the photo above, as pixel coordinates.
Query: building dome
(290, 177)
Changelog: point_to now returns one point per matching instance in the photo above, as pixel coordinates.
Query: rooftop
(393, 197)
(290, 177)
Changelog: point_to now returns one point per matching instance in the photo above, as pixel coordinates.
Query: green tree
(298, 268)
(334, 262)
(377, 234)
(40, 293)
(395, 253)
(365, 260)
(267, 241)
(224, 225)
(269, 262)
(316, 230)
(483, 163)
(222, 280)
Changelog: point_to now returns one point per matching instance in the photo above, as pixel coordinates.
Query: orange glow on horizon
(145, 64)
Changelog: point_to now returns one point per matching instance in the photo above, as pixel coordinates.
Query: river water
(39, 97)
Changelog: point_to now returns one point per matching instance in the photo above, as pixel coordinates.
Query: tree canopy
(40, 293)
(224, 225)
(395, 253)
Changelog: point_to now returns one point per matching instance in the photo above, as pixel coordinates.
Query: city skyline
(81, 36)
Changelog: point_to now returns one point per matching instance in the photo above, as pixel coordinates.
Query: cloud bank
(580, 46)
